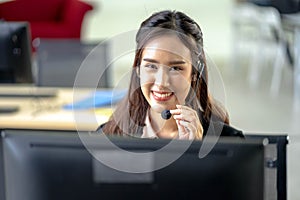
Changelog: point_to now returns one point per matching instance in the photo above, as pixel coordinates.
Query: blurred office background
(252, 105)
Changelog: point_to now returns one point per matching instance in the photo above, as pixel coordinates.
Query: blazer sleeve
(225, 130)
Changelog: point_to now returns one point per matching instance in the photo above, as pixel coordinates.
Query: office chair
(48, 19)
(70, 62)
(259, 29)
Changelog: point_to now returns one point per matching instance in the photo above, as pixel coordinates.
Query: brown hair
(130, 114)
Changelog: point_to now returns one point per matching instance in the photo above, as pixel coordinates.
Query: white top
(148, 131)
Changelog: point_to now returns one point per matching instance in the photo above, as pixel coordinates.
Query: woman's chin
(158, 108)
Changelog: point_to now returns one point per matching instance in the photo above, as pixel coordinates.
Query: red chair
(48, 19)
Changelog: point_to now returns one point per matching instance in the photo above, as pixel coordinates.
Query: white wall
(118, 21)
(113, 17)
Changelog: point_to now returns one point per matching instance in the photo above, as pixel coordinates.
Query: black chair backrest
(283, 6)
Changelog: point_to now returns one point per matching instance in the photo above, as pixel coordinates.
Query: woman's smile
(162, 96)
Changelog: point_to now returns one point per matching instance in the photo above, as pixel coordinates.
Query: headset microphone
(166, 114)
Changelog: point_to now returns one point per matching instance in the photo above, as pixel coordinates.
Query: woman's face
(165, 72)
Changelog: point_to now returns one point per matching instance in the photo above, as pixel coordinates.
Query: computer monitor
(56, 165)
(15, 53)
(73, 63)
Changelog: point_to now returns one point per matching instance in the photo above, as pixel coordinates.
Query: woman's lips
(162, 96)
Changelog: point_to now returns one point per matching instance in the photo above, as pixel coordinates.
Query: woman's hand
(188, 123)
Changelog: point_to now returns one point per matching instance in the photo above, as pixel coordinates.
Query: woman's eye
(151, 66)
(175, 68)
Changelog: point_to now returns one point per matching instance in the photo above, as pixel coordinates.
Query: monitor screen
(68, 63)
(63, 165)
(15, 53)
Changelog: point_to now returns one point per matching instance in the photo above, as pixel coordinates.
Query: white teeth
(164, 95)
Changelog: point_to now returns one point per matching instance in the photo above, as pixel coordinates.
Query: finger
(185, 117)
(186, 130)
(186, 110)
(194, 131)
(180, 109)
(188, 127)
(188, 116)
(175, 112)
(181, 129)
(184, 136)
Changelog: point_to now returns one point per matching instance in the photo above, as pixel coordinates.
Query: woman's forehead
(169, 45)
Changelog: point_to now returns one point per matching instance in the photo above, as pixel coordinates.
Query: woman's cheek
(182, 91)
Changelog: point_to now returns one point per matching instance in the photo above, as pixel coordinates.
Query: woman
(169, 73)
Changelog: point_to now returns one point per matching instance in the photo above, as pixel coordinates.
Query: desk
(47, 113)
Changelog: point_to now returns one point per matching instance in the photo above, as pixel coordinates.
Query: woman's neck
(163, 128)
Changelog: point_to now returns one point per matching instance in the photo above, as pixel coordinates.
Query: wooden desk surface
(48, 113)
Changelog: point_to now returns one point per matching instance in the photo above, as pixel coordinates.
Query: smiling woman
(165, 77)
(169, 73)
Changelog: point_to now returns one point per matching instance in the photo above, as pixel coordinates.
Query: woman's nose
(162, 77)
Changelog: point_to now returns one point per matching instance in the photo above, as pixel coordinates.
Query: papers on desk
(97, 99)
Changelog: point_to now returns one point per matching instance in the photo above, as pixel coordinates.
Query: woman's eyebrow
(175, 62)
(150, 60)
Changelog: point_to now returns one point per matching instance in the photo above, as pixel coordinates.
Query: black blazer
(219, 128)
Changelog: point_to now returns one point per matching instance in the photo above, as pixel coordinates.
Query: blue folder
(97, 99)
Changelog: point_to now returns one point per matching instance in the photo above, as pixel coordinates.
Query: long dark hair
(130, 114)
